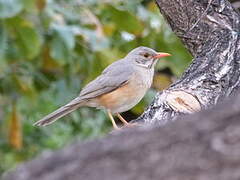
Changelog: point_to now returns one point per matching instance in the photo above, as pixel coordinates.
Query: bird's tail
(62, 111)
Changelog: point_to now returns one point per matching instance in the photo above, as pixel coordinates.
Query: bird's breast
(126, 96)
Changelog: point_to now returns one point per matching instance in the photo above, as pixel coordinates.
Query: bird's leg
(125, 122)
(122, 119)
(112, 119)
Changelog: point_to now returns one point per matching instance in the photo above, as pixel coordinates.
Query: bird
(119, 87)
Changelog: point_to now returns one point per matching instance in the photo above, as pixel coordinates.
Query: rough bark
(210, 30)
(201, 146)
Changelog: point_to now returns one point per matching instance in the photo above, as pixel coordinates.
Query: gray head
(145, 57)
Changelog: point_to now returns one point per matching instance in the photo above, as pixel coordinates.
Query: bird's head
(145, 57)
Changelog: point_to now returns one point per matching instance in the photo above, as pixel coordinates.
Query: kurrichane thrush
(120, 86)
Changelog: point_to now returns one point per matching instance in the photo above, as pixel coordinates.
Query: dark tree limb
(210, 30)
(204, 145)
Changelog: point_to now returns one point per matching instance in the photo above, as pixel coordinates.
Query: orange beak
(160, 55)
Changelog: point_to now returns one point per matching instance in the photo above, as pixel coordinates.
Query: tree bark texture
(210, 31)
(202, 146)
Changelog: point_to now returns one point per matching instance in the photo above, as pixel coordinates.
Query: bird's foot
(128, 125)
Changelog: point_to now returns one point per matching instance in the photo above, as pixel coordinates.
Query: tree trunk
(204, 145)
(210, 31)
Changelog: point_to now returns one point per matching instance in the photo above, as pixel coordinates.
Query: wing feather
(115, 75)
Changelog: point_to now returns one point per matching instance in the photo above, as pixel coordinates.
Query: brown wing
(115, 75)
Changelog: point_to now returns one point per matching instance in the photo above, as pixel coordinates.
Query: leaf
(29, 41)
(3, 41)
(65, 33)
(10, 8)
(49, 65)
(62, 44)
(125, 21)
(15, 130)
(25, 84)
(29, 6)
(41, 4)
(59, 51)
(95, 42)
(27, 38)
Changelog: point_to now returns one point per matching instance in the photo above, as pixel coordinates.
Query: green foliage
(130, 24)
(50, 49)
(10, 8)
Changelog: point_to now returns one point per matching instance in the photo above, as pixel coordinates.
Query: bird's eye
(146, 55)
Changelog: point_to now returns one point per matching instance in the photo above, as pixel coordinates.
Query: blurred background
(50, 49)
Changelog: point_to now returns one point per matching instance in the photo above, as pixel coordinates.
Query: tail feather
(62, 111)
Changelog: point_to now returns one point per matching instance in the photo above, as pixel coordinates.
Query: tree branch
(200, 146)
(210, 30)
